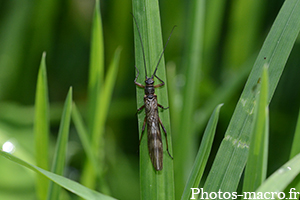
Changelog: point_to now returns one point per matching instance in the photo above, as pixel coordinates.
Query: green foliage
(59, 159)
(202, 155)
(210, 54)
(256, 168)
(41, 128)
(70, 185)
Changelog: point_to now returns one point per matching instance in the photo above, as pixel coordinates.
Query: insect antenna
(138, 28)
(162, 53)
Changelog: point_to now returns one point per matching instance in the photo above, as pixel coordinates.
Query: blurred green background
(234, 33)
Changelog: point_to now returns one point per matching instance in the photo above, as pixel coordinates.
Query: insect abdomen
(155, 149)
(155, 146)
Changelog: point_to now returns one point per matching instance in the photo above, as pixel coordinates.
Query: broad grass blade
(256, 168)
(154, 184)
(233, 152)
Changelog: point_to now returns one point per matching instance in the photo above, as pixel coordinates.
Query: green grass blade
(96, 69)
(214, 15)
(106, 95)
(96, 79)
(203, 154)
(83, 135)
(154, 185)
(68, 184)
(41, 128)
(232, 155)
(59, 159)
(280, 179)
(102, 110)
(296, 147)
(193, 64)
(294, 151)
(256, 168)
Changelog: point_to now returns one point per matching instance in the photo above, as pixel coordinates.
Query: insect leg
(143, 106)
(162, 106)
(159, 85)
(165, 136)
(144, 125)
(138, 110)
(138, 84)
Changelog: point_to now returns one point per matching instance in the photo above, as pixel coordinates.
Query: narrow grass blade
(83, 135)
(59, 159)
(68, 184)
(102, 112)
(233, 152)
(296, 147)
(154, 184)
(96, 69)
(193, 65)
(96, 76)
(279, 180)
(102, 109)
(96, 79)
(41, 128)
(203, 154)
(294, 151)
(256, 168)
(106, 95)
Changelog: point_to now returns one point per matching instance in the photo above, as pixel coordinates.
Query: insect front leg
(138, 84)
(159, 85)
(165, 136)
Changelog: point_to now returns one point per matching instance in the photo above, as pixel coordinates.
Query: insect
(155, 146)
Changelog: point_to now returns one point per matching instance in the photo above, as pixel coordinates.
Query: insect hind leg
(141, 108)
(165, 137)
(162, 107)
(143, 129)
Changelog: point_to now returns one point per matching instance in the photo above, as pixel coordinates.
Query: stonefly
(155, 146)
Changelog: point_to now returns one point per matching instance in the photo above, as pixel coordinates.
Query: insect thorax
(149, 89)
